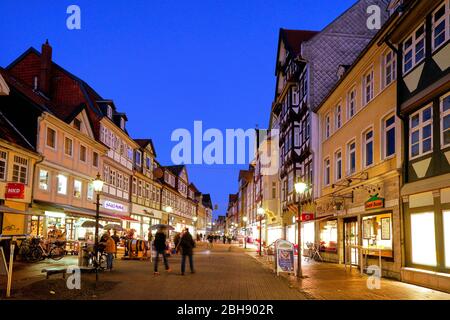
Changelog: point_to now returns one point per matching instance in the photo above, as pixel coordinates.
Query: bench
(52, 271)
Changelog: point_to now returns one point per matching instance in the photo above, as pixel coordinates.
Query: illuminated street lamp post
(98, 187)
(245, 228)
(300, 188)
(260, 213)
(195, 218)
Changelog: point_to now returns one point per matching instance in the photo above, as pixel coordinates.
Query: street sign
(284, 256)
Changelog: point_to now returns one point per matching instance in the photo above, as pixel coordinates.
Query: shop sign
(15, 191)
(307, 216)
(284, 256)
(114, 206)
(374, 202)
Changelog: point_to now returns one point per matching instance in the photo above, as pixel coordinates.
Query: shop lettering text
(15, 191)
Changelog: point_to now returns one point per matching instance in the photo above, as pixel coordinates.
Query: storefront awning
(6, 209)
(118, 216)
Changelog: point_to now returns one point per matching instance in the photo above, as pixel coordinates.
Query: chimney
(46, 64)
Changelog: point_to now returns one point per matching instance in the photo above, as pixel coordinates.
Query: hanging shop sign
(284, 256)
(374, 202)
(307, 216)
(114, 206)
(15, 191)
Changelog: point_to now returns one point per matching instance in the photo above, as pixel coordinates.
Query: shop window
(423, 241)
(441, 25)
(20, 170)
(414, 49)
(43, 179)
(3, 164)
(51, 138)
(62, 184)
(446, 219)
(328, 235)
(36, 226)
(420, 132)
(389, 136)
(445, 120)
(77, 185)
(377, 233)
(351, 103)
(307, 234)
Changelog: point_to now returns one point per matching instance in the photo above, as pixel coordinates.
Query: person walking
(160, 248)
(210, 239)
(110, 250)
(187, 245)
(116, 239)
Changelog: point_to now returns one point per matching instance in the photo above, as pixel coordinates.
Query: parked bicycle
(100, 260)
(33, 250)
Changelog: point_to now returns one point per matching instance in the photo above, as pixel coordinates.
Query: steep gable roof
(11, 134)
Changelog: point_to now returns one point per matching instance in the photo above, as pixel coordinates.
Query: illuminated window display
(307, 233)
(423, 240)
(328, 236)
(377, 233)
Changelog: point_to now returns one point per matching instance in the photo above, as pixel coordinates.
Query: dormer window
(138, 158)
(109, 111)
(122, 123)
(77, 124)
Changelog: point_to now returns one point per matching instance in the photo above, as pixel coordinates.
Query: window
(414, 49)
(423, 247)
(274, 190)
(51, 138)
(389, 136)
(389, 70)
(20, 169)
(351, 161)
(441, 25)
(295, 96)
(446, 219)
(326, 174)
(95, 159)
(134, 186)
(338, 117)
(148, 163)
(3, 164)
(109, 111)
(62, 184)
(328, 235)
(43, 179)
(338, 165)
(130, 153)
(77, 188)
(82, 153)
(90, 191)
(445, 120)
(351, 103)
(122, 123)
(327, 127)
(368, 87)
(138, 158)
(77, 124)
(420, 132)
(377, 233)
(368, 148)
(68, 146)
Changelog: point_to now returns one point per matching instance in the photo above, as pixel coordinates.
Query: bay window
(445, 120)
(420, 132)
(414, 49)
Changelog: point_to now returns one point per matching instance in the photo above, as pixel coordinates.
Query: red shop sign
(307, 216)
(15, 191)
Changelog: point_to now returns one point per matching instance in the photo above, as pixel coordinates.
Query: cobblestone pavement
(225, 273)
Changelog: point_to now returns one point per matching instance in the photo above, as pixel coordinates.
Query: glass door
(351, 239)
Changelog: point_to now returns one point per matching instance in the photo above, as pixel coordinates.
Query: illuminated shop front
(377, 233)
(274, 233)
(328, 236)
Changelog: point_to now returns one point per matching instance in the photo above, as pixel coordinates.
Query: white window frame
(392, 64)
(443, 115)
(90, 191)
(109, 111)
(384, 137)
(80, 184)
(337, 166)
(327, 125)
(349, 103)
(338, 116)
(55, 140)
(365, 86)
(412, 48)
(47, 185)
(419, 128)
(349, 153)
(71, 149)
(446, 19)
(20, 168)
(4, 159)
(140, 158)
(58, 182)
(364, 149)
(327, 171)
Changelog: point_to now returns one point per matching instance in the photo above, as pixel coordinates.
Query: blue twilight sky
(169, 63)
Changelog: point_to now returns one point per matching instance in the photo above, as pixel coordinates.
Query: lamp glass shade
(245, 219)
(98, 184)
(168, 209)
(195, 219)
(261, 211)
(300, 187)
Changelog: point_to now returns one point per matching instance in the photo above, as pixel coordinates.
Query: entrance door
(351, 239)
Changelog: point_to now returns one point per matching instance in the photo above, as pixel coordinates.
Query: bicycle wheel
(57, 253)
(35, 255)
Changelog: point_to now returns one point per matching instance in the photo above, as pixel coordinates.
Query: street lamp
(245, 228)
(195, 218)
(300, 188)
(98, 187)
(260, 211)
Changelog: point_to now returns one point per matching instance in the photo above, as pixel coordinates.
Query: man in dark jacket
(187, 245)
(160, 248)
